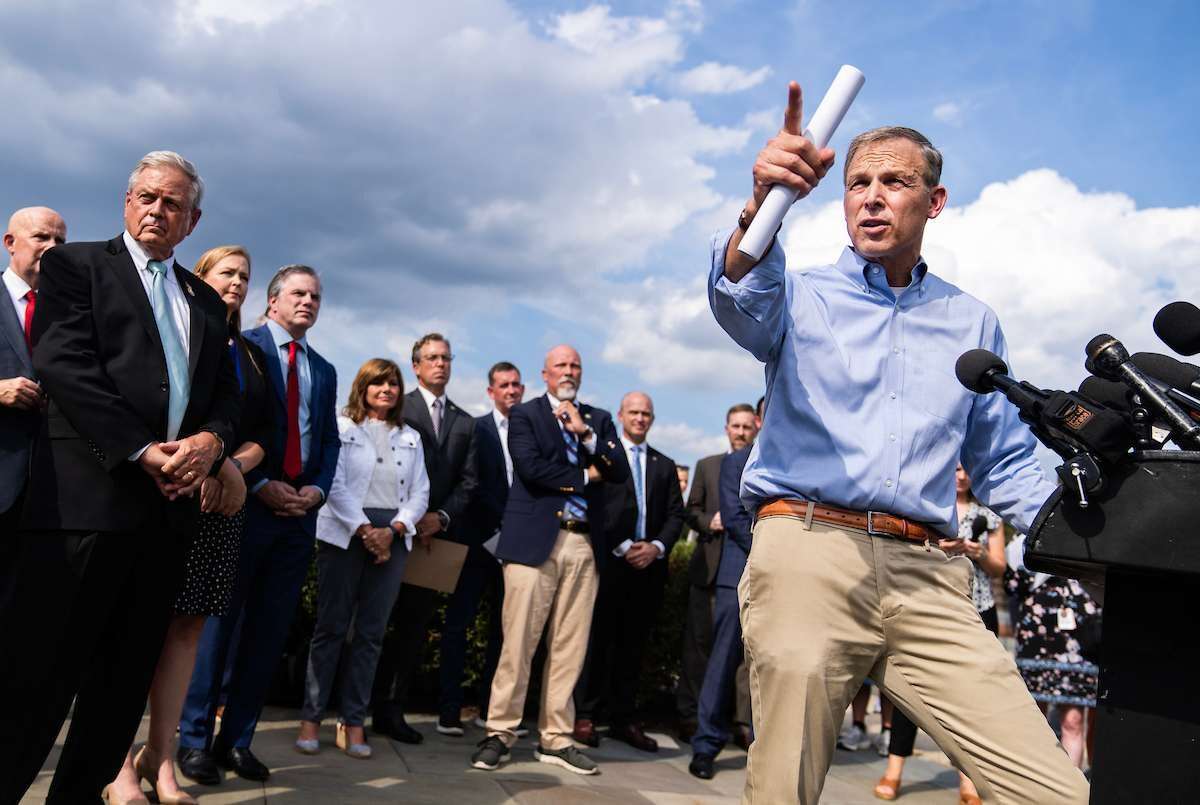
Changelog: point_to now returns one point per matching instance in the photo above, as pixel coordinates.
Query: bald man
(552, 544)
(643, 517)
(31, 232)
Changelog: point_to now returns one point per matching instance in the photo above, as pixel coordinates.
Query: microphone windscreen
(974, 369)
(1108, 393)
(1176, 374)
(978, 526)
(1178, 325)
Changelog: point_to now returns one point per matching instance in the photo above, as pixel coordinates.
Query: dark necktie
(291, 451)
(30, 303)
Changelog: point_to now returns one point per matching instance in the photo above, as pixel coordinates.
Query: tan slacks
(823, 608)
(558, 595)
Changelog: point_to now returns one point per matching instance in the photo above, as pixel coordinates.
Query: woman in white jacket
(364, 533)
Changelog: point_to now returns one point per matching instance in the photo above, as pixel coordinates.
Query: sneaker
(521, 731)
(569, 758)
(450, 725)
(853, 738)
(491, 753)
(882, 741)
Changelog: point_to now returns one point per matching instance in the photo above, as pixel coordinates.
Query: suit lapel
(416, 410)
(127, 277)
(449, 415)
(197, 318)
(551, 422)
(14, 330)
(262, 337)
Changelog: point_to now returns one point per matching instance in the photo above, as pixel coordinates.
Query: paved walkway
(437, 771)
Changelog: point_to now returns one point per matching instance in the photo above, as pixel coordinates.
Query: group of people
(176, 470)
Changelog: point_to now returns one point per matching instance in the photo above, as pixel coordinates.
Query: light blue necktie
(576, 506)
(172, 342)
(639, 490)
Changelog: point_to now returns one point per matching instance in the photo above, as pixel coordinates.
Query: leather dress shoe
(242, 762)
(742, 737)
(585, 733)
(635, 736)
(701, 766)
(198, 765)
(397, 729)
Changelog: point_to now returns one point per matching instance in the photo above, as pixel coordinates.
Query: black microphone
(978, 526)
(1176, 374)
(1109, 359)
(984, 372)
(1178, 325)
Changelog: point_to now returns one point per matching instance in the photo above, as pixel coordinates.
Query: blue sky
(520, 174)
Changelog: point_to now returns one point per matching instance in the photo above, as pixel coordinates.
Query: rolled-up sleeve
(751, 311)
(998, 453)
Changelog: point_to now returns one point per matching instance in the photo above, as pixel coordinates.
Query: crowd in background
(220, 456)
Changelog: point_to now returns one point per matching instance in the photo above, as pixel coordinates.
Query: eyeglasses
(437, 358)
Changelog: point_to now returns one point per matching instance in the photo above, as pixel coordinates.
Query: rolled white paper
(819, 131)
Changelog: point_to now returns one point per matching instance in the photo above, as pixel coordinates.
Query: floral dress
(1056, 620)
(981, 584)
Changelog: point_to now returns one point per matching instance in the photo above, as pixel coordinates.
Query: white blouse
(363, 467)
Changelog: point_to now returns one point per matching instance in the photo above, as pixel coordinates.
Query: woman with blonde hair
(364, 532)
(213, 557)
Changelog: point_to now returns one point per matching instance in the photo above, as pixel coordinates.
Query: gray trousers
(351, 587)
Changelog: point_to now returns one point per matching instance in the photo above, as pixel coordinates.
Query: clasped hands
(970, 548)
(22, 393)
(286, 501)
(641, 554)
(377, 541)
(180, 467)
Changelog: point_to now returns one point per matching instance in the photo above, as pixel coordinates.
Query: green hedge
(660, 671)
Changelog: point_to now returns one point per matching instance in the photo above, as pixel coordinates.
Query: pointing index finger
(791, 118)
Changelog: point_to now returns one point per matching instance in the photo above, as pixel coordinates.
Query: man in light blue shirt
(852, 479)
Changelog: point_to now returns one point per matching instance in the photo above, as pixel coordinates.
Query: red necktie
(30, 303)
(291, 451)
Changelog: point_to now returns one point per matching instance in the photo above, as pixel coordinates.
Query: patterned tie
(172, 343)
(30, 303)
(639, 490)
(576, 505)
(292, 465)
(436, 415)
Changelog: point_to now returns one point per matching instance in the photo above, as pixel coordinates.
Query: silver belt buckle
(871, 524)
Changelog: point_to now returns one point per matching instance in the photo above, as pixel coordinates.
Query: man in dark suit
(643, 517)
(31, 232)
(552, 542)
(480, 575)
(448, 440)
(704, 515)
(130, 350)
(727, 651)
(277, 544)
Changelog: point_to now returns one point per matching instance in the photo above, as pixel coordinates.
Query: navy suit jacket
(17, 426)
(737, 521)
(322, 410)
(486, 510)
(543, 477)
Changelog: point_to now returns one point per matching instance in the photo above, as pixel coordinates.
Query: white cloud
(684, 443)
(209, 15)
(949, 113)
(712, 78)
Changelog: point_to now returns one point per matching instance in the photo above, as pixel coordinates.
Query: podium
(1141, 538)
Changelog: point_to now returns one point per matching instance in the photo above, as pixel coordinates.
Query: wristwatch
(744, 220)
(444, 519)
(235, 462)
(587, 434)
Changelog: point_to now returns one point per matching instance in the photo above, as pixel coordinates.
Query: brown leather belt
(874, 523)
(575, 526)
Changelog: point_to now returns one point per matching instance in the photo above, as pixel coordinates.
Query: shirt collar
(17, 287)
(629, 445)
(140, 258)
(282, 337)
(500, 419)
(429, 397)
(860, 270)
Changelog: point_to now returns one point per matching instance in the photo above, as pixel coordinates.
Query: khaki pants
(823, 608)
(558, 595)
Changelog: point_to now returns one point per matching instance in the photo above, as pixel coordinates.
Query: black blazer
(98, 356)
(543, 477)
(486, 509)
(449, 459)
(704, 501)
(17, 426)
(664, 506)
(256, 422)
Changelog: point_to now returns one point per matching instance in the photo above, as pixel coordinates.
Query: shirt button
(892, 395)
(888, 482)
(895, 350)
(892, 436)
(874, 269)
(402, 482)
(379, 460)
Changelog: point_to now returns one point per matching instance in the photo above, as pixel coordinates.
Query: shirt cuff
(589, 443)
(662, 549)
(623, 548)
(136, 456)
(258, 485)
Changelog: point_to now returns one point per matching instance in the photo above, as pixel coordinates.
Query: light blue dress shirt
(863, 410)
(282, 338)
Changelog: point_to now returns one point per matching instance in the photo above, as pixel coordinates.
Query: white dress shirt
(282, 338)
(637, 465)
(17, 288)
(502, 428)
(181, 314)
(428, 396)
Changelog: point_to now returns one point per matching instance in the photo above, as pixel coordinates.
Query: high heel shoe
(148, 771)
(360, 751)
(108, 796)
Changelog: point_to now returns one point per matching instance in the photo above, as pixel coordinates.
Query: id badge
(1066, 619)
